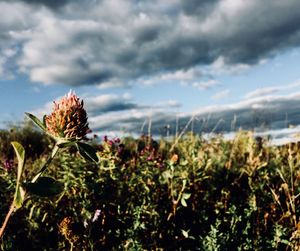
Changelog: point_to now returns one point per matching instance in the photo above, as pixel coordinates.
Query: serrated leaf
(36, 121)
(88, 152)
(45, 187)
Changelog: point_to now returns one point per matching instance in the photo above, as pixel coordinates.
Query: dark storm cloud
(110, 103)
(198, 7)
(265, 112)
(95, 42)
(48, 3)
(262, 34)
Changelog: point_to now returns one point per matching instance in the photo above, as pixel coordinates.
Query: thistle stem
(12, 207)
(47, 163)
(11, 210)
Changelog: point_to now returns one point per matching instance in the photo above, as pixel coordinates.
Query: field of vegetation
(186, 194)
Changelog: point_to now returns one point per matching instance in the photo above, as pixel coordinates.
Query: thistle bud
(68, 119)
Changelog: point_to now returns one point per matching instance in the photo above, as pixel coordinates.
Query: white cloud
(45, 109)
(114, 41)
(171, 103)
(221, 94)
(220, 67)
(121, 113)
(204, 85)
(182, 76)
(271, 90)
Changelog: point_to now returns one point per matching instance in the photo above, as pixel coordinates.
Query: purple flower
(117, 140)
(8, 164)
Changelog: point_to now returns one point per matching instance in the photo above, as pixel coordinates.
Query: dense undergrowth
(190, 194)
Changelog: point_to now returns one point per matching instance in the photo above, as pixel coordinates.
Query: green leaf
(167, 175)
(44, 120)
(45, 187)
(19, 197)
(185, 233)
(20, 152)
(62, 143)
(19, 193)
(183, 202)
(186, 196)
(88, 152)
(35, 120)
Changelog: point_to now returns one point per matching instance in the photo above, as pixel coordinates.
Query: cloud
(113, 41)
(204, 85)
(171, 103)
(5, 58)
(221, 94)
(110, 103)
(182, 76)
(263, 112)
(271, 90)
(99, 104)
(49, 3)
(14, 18)
(219, 66)
(121, 113)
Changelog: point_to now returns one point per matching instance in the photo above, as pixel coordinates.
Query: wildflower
(149, 158)
(8, 164)
(117, 140)
(68, 119)
(111, 143)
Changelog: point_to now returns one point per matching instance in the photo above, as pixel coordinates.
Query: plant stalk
(12, 207)
(47, 163)
(11, 210)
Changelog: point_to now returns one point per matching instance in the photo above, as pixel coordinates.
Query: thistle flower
(68, 119)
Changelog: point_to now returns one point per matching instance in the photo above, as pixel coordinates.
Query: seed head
(68, 119)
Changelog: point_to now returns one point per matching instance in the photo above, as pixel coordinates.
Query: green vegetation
(190, 194)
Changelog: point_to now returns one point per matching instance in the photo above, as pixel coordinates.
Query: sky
(201, 65)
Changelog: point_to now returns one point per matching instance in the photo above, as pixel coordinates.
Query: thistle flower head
(68, 119)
